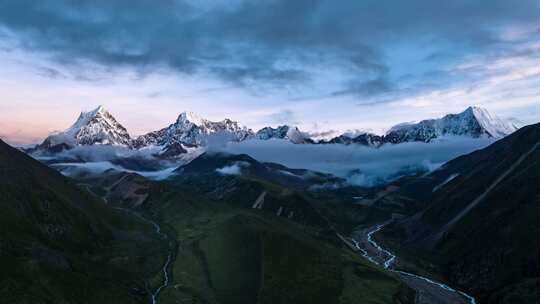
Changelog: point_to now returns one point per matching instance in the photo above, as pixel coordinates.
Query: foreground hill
(59, 244)
(244, 237)
(478, 220)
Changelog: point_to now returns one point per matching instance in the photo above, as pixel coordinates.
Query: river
(428, 291)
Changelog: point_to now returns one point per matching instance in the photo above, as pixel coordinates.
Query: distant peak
(480, 113)
(476, 110)
(99, 110)
(190, 117)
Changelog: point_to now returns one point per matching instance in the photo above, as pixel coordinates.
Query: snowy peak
(290, 133)
(98, 126)
(474, 122)
(190, 117)
(493, 125)
(93, 127)
(269, 133)
(191, 129)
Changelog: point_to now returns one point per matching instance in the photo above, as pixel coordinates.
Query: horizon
(320, 133)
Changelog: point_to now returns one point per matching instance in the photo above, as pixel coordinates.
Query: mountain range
(99, 127)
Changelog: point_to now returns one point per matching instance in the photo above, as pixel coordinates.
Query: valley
(427, 290)
(227, 228)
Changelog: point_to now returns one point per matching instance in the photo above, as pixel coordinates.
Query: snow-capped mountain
(474, 122)
(290, 133)
(93, 127)
(191, 129)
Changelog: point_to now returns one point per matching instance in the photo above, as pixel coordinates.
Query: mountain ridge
(190, 130)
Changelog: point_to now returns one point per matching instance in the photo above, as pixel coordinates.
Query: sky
(319, 64)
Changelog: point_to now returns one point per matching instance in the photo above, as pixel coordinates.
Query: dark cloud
(50, 72)
(372, 87)
(269, 76)
(277, 42)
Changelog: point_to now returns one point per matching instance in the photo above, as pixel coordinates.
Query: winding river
(165, 268)
(157, 229)
(428, 290)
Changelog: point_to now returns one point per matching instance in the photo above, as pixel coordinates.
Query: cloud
(100, 167)
(234, 169)
(97, 159)
(100, 153)
(360, 165)
(373, 87)
(50, 73)
(271, 44)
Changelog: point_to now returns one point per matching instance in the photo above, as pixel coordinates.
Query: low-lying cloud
(98, 153)
(234, 169)
(98, 168)
(360, 165)
(97, 159)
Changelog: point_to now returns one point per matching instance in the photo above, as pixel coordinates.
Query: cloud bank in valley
(98, 159)
(358, 164)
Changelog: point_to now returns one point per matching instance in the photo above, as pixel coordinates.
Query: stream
(165, 267)
(157, 229)
(428, 291)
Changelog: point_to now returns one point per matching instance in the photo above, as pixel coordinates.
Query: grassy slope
(59, 244)
(230, 253)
